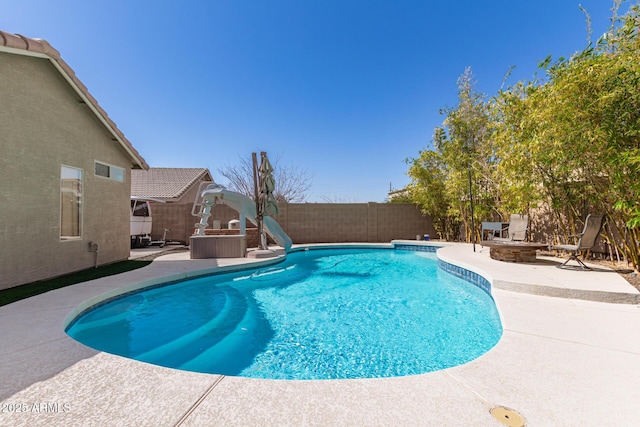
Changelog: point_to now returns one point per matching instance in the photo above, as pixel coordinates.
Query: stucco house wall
(45, 124)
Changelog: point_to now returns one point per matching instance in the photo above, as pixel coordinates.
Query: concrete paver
(561, 361)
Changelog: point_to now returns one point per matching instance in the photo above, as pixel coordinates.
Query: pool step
(189, 345)
(229, 355)
(118, 314)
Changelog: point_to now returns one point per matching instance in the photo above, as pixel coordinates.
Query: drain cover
(507, 416)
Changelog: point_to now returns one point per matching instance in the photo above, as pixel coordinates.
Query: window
(70, 202)
(108, 171)
(139, 208)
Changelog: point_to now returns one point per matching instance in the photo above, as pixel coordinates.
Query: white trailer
(141, 220)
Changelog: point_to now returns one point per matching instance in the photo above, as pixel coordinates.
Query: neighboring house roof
(166, 183)
(21, 45)
(398, 193)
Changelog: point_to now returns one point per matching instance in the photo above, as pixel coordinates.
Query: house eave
(38, 48)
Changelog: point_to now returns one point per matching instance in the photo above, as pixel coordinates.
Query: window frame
(79, 201)
(111, 169)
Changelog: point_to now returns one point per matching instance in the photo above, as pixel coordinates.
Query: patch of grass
(17, 293)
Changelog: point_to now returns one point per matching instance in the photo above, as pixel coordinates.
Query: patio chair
(586, 240)
(517, 229)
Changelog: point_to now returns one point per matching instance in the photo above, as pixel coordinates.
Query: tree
(577, 135)
(292, 183)
(569, 142)
(462, 155)
(428, 191)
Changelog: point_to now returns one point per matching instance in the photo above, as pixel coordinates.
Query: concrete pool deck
(562, 360)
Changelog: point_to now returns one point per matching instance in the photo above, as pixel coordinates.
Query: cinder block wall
(353, 222)
(177, 218)
(332, 222)
(313, 222)
(402, 221)
(172, 217)
(325, 222)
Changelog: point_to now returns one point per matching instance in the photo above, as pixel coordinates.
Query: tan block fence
(311, 222)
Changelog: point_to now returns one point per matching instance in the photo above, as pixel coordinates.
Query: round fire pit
(510, 251)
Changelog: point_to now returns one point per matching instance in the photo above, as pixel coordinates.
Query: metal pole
(473, 226)
(263, 235)
(254, 158)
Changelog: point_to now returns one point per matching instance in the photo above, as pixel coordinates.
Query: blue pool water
(321, 314)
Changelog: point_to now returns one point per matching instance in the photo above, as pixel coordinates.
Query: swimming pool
(320, 314)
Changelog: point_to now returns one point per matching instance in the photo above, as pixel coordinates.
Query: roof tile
(165, 183)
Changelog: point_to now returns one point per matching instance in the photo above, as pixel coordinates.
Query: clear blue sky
(345, 89)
